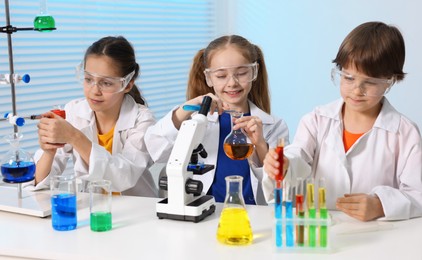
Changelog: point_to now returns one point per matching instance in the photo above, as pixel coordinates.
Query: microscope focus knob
(162, 183)
(194, 187)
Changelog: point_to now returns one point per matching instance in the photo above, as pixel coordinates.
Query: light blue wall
(300, 38)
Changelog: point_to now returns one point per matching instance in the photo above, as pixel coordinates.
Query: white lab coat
(161, 137)
(127, 166)
(386, 161)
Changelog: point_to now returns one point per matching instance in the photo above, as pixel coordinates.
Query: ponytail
(197, 85)
(259, 94)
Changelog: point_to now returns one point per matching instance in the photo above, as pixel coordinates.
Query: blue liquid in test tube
(278, 194)
(63, 212)
(290, 242)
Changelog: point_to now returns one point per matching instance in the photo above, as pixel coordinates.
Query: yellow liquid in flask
(234, 227)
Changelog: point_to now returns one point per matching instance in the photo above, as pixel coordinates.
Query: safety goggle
(241, 74)
(371, 87)
(104, 83)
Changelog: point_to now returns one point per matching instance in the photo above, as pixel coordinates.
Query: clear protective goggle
(241, 74)
(105, 84)
(371, 87)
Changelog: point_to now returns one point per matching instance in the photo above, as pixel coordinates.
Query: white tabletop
(138, 234)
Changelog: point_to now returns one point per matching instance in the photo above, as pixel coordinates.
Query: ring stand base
(31, 203)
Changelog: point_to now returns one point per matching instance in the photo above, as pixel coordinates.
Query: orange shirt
(349, 139)
(106, 140)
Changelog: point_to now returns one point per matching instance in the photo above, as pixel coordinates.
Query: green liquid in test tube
(311, 212)
(323, 213)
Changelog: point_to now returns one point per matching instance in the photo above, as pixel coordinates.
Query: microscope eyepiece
(205, 106)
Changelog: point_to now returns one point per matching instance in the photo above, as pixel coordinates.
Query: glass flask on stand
(237, 146)
(44, 20)
(234, 227)
(17, 165)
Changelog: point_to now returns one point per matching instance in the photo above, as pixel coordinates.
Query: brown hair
(197, 85)
(122, 53)
(375, 49)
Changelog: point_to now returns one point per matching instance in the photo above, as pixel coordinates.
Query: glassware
(43, 20)
(59, 110)
(280, 151)
(63, 202)
(17, 165)
(100, 205)
(234, 227)
(236, 144)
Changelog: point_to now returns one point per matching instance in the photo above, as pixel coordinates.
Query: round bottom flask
(236, 144)
(17, 165)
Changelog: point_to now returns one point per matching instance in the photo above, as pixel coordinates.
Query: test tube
(289, 214)
(323, 214)
(300, 211)
(280, 151)
(311, 211)
(278, 192)
(278, 207)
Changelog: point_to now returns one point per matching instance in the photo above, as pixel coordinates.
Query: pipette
(198, 107)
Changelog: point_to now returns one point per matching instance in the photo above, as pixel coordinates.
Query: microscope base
(196, 211)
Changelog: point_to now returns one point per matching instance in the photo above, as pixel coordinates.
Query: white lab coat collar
(127, 115)
(388, 118)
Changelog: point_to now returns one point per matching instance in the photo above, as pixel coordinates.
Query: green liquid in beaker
(100, 221)
(44, 21)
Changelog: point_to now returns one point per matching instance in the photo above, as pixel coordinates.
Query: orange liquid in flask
(238, 151)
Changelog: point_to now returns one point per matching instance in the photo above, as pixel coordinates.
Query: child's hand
(253, 128)
(54, 131)
(361, 206)
(271, 164)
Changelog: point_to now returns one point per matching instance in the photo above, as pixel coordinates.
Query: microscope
(185, 200)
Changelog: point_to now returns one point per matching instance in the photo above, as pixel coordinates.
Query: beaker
(63, 202)
(234, 227)
(17, 165)
(43, 20)
(59, 110)
(100, 205)
(236, 144)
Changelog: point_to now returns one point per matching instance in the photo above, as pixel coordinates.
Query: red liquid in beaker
(59, 112)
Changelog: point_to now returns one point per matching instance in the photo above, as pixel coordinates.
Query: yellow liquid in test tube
(234, 227)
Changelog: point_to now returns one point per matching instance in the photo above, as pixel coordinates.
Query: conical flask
(17, 165)
(234, 227)
(44, 22)
(236, 144)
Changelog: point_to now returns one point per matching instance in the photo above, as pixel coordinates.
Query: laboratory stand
(17, 166)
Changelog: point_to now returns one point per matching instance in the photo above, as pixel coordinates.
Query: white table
(138, 234)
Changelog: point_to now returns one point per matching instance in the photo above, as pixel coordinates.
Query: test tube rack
(302, 235)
